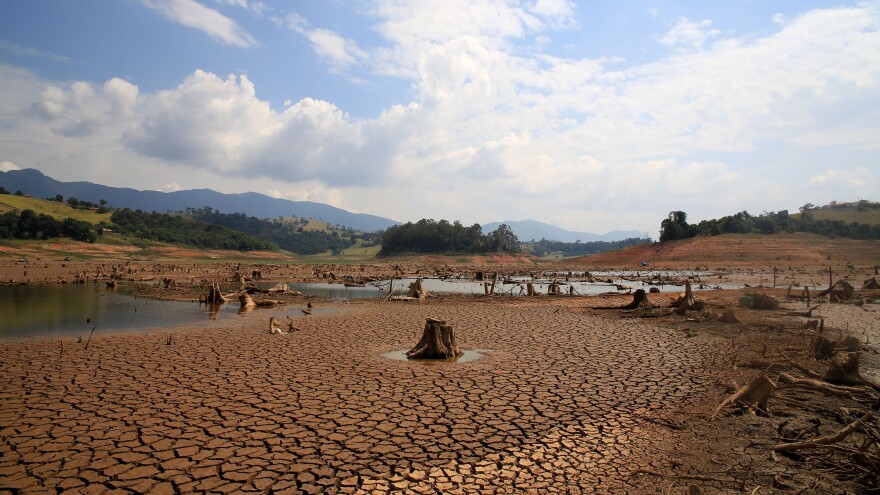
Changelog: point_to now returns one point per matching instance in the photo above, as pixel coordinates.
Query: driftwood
(840, 290)
(247, 302)
(438, 342)
(753, 396)
(826, 439)
(817, 385)
(806, 314)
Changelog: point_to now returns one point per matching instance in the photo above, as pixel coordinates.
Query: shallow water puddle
(73, 309)
(472, 355)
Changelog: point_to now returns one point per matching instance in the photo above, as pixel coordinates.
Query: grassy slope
(732, 250)
(869, 216)
(60, 211)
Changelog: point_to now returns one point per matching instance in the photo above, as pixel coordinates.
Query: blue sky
(590, 115)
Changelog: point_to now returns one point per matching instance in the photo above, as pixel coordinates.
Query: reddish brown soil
(743, 251)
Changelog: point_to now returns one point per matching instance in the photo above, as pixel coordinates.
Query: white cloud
(491, 120)
(688, 34)
(857, 179)
(28, 51)
(337, 51)
(7, 166)
(172, 187)
(191, 13)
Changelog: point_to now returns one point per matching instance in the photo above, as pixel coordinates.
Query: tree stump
(246, 301)
(640, 300)
(844, 369)
(214, 295)
(753, 396)
(686, 301)
(437, 342)
(823, 348)
(417, 290)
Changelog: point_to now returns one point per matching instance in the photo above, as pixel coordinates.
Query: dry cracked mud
(562, 404)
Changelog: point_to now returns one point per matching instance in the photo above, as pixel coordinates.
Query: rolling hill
(35, 183)
(54, 209)
(527, 230)
(743, 250)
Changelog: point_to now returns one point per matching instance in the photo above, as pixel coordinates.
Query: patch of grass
(60, 211)
(868, 216)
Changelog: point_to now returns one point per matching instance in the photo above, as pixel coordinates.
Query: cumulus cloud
(7, 166)
(191, 13)
(689, 34)
(337, 51)
(82, 108)
(490, 119)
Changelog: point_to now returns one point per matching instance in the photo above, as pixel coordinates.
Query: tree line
(31, 225)
(544, 247)
(182, 229)
(430, 236)
(675, 226)
(285, 235)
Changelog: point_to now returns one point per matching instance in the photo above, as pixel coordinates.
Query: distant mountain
(528, 230)
(33, 182)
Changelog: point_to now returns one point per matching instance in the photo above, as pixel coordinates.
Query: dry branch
(825, 439)
(753, 396)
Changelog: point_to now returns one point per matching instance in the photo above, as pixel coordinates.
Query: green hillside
(865, 212)
(54, 209)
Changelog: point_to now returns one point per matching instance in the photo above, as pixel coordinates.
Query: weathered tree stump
(417, 290)
(844, 369)
(686, 301)
(437, 342)
(823, 348)
(246, 301)
(214, 295)
(753, 396)
(640, 300)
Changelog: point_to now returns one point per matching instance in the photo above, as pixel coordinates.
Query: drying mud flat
(564, 398)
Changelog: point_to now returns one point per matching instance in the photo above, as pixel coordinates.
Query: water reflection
(72, 309)
(472, 355)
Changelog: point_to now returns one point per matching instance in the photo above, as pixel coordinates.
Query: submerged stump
(437, 342)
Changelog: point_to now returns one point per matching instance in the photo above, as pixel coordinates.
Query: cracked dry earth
(558, 406)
